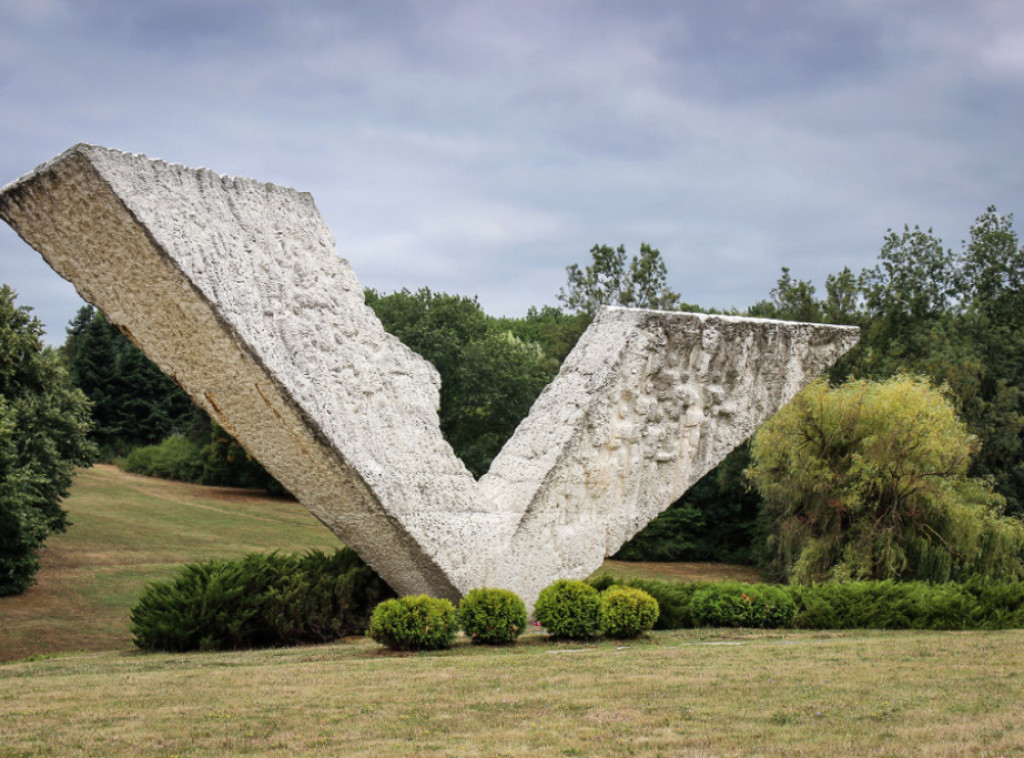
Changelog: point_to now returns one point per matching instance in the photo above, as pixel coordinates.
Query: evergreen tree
(133, 402)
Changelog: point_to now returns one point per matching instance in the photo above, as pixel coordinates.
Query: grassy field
(686, 693)
(693, 693)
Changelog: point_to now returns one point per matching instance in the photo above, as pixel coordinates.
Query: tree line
(952, 319)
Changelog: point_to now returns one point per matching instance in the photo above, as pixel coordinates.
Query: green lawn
(686, 693)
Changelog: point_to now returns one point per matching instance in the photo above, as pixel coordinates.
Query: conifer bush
(326, 597)
(259, 600)
(414, 622)
(492, 616)
(570, 609)
(979, 603)
(747, 605)
(627, 612)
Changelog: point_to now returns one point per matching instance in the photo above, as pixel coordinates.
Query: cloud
(480, 147)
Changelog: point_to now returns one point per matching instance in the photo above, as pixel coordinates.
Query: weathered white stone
(233, 288)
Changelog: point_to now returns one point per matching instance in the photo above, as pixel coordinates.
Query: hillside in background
(131, 530)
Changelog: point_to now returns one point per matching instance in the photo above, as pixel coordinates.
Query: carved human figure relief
(234, 289)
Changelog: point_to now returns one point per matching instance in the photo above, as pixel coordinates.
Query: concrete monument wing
(234, 289)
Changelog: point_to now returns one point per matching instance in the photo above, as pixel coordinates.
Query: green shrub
(177, 457)
(980, 603)
(570, 609)
(208, 606)
(998, 605)
(325, 598)
(746, 605)
(673, 598)
(414, 622)
(258, 600)
(221, 463)
(627, 612)
(492, 616)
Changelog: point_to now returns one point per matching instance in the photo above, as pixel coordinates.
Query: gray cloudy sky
(480, 147)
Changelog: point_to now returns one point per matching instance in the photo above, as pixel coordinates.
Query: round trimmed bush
(570, 610)
(492, 616)
(414, 622)
(627, 612)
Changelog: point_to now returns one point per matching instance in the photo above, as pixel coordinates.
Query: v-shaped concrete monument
(233, 288)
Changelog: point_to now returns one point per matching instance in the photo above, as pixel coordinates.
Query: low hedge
(673, 597)
(735, 604)
(259, 600)
(979, 603)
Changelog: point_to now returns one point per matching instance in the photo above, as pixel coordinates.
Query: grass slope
(130, 530)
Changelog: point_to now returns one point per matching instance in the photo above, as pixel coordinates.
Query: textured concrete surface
(234, 289)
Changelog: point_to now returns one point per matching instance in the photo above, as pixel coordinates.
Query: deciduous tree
(611, 279)
(489, 376)
(869, 481)
(44, 422)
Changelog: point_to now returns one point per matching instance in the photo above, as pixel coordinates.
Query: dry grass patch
(680, 572)
(687, 693)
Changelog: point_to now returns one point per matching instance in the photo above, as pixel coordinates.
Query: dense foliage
(44, 422)
(956, 317)
(627, 612)
(492, 616)
(570, 610)
(490, 375)
(869, 481)
(979, 603)
(133, 402)
(414, 622)
(758, 606)
(259, 600)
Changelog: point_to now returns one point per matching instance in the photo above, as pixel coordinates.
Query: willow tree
(869, 481)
